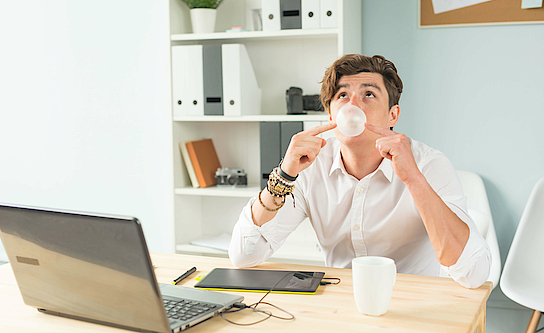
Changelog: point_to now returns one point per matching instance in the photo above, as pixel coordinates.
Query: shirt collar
(386, 169)
(337, 164)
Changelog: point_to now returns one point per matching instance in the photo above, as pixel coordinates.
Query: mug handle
(395, 275)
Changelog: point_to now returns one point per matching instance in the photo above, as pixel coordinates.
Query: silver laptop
(97, 268)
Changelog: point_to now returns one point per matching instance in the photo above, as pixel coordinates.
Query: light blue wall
(475, 93)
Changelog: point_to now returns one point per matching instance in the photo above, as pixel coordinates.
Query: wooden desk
(419, 304)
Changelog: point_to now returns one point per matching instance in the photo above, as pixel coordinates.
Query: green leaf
(213, 4)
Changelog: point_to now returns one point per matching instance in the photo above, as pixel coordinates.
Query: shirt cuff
(473, 266)
(251, 233)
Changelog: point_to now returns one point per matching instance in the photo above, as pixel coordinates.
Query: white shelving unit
(252, 118)
(280, 59)
(219, 191)
(246, 36)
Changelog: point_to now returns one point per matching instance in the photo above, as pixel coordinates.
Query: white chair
(523, 276)
(479, 211)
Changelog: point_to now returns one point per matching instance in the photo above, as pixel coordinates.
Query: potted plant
(203, 14)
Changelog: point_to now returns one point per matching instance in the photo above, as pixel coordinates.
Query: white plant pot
(203, 20)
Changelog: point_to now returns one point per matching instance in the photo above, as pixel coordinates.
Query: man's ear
(394, 113)
(330, 116)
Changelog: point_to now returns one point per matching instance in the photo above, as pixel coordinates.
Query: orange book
(204, 160)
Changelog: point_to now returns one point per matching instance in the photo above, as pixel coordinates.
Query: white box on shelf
(315, 123)
(187, 80)
(328, 17)
(241, 92)
(271, 15)
(327, 134)
(310, 14)
(254, 15)
(308, 124)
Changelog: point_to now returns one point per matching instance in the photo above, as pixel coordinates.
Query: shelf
(306, 254)
(255, 118)
(217, 191)
(254, 35)
(195, 249)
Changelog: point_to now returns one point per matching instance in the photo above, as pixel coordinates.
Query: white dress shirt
(374, 216)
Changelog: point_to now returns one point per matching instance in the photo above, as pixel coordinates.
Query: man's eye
(369, 94)
(342, 95)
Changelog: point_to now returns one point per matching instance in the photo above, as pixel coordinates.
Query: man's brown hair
(352, 64)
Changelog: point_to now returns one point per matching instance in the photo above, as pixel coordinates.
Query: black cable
(254, 307)
(292, 316)
(242, 306)
(267, 313)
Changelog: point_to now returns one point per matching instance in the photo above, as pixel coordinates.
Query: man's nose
(354, 99)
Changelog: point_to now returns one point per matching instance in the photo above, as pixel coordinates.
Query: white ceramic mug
(373, 280)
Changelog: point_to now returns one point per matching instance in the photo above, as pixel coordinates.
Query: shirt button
(356, 227)
(360, 190)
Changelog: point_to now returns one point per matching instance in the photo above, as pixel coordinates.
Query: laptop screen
(88, 266)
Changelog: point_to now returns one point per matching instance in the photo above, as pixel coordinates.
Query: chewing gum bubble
(350, 120)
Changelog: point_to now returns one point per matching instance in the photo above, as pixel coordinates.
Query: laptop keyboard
(186, 309)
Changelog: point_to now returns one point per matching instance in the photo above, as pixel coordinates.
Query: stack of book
(201, 161)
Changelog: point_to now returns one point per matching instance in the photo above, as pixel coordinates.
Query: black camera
(230, 177)
(298, 103)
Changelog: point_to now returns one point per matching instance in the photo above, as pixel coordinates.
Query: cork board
(492, 12)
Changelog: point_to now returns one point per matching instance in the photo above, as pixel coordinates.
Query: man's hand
(303, 149)
(396, 147)
(447, 232)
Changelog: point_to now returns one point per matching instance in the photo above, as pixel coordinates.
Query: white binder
(254, 15)
(241, 92)
(271, 15)
(187, 80)
(311, 124)
(328, 17)
(308, 124)
(310, 14)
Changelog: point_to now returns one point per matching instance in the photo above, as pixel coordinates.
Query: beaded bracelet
(276, 172)
(279, 187)
(268, 209)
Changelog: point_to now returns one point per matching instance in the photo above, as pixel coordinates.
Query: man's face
(367, 92)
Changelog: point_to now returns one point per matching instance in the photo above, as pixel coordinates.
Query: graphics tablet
(300, 282)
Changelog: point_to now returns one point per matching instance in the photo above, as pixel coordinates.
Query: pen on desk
(184, 275)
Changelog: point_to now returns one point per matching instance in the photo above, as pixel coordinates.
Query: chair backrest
(480, 212)
(477, 202)
(522, 278)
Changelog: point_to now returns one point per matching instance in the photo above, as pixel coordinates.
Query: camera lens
(231, 180)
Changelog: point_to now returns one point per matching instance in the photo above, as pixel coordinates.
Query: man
(378, 193)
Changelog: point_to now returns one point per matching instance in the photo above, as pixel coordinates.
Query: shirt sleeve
(251, 245)
(473, 266)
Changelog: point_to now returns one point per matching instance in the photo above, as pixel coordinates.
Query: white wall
(85, 109)
(476, 93)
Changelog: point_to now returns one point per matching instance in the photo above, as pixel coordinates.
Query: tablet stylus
(184, 275)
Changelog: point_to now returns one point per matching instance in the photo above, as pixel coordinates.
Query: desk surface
(419, 304)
